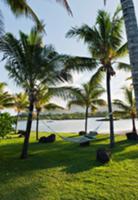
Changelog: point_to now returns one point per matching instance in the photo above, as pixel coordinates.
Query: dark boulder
(103, 155)
(49, 139)
(21, 133)
(132, 136)
(82, 133)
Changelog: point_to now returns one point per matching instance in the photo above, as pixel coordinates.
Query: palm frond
(124, 66)
(86, 33)
(75, 102)
(120, 104)
(122, 51)
(52, 106)
(20, 8)
(96, 79)
(66, 5)
(80, 64)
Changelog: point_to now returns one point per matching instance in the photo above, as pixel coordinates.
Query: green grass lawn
(65, 171)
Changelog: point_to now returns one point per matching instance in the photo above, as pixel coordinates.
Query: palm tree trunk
(110, 108)
(134, 125)
(37, 125)
(132, 36)
(24, 153)
(17, 122)
(86, 119)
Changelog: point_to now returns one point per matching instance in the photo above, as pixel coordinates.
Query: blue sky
(58, 22)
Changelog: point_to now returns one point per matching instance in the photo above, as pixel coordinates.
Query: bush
(6, 122)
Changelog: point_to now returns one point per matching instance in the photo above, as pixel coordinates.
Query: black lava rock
(82, 133)
(103, 155)
(132, 136)
(49, 139)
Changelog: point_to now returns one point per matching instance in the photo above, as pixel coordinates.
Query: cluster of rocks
(49, 139)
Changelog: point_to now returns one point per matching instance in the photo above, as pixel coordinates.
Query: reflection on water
(78, 125)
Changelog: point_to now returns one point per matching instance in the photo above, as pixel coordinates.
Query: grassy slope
(64, 171)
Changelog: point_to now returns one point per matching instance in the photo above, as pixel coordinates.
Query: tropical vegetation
(88, 96)
(42, 102)
(39, 68)
(6, 99)
(127, 108)
(105, 45)
(20, 105)
(63, 170)
(6, 124)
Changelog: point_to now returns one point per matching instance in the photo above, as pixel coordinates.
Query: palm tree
(22, 7)
(6, 100)
(30, 65)
(89, 96)
(42, 102)
(127, 108)
(132, 37)
(20, 104)
(104, 42)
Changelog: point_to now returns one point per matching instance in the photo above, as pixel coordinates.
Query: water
(78, 125)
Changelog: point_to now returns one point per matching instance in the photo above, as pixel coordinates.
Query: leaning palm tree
(127, 108)
(105, 44)
(132, 36)
(20, 104)
(6, 99)
(31, 64)
(89, 96)
(22, 7)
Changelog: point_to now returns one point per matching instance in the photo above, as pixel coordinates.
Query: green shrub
(6, 122)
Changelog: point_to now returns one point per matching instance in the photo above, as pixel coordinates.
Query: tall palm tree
(6, 100)
(31, 64)
(22, 8)
(20, 104)
(89, 96)
(127, 108)
(132, 37)
(105, 44)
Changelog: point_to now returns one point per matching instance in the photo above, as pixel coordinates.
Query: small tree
(127, 108)
(89, 95)
(6, 100)
(6, 122)
(42, 102)
(20, 104)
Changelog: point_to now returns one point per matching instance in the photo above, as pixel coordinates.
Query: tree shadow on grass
(65, 157)
(121, 153)
(69, 157)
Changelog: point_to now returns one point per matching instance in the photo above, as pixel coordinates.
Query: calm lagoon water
(78, 125)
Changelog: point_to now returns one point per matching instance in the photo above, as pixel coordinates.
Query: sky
(57, 23)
